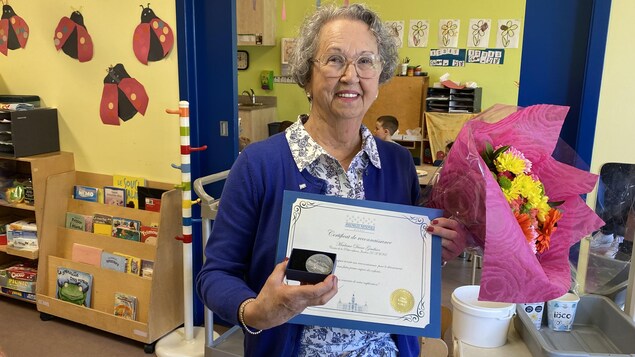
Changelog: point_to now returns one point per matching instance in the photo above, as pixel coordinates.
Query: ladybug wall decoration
(153, 38)
(122, 96)
(14, 32)
(72, 37)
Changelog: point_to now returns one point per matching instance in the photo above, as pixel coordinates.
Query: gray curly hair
(306, 44)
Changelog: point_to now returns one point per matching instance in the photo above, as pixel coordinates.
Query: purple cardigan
(242, 246)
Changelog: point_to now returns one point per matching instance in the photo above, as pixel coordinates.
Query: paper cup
(561, 312)
(534, 311)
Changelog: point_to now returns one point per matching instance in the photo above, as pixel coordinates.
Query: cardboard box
(32, 132)
(18, 276)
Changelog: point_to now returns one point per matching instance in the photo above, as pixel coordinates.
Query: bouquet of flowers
(525, 194)
(522, 206)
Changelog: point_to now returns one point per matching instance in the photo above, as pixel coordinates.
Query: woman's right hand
(278, 302)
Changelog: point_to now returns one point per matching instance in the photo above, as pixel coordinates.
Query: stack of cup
(561, 312)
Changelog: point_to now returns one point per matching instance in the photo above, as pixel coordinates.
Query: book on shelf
(125, 306)
(102, 224)
(125, 233)
(74, 286)
(75, 221)
(126, 223)
(133, 264)
(86, 193)
(147, 268)
(115, 196)
(114, 262)
(149, 234)
(126, 228)
(86, 254)
(130, 184)
(150, 198)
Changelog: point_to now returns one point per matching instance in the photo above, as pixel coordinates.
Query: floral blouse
(321, 341)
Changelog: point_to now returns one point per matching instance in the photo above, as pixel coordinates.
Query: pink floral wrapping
(467, 190)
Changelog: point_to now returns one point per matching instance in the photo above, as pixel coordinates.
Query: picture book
(113, 262)
(130, 184)
(125, 233)
(74, 286)
(86, 193)
(150, 198)
(133, 264)
(114, 196)
(127, 223)
(147, 268)
(75, 221)
(86, 254)
(88, 223)
(102, 224)
(125, 306)
(149, 234)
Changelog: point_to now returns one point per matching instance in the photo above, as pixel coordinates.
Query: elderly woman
(341, 57)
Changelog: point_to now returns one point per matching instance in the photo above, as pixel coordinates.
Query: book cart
(159, 299)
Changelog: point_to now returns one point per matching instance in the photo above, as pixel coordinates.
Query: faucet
(252, 95)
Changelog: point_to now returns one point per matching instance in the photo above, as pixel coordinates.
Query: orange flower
(548, 228)
(524, 221)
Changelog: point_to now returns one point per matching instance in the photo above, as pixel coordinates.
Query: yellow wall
(497, 80)
(144, 145)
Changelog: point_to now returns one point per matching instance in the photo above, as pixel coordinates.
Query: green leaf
(500, 150)
(504, 182)
(555, 203)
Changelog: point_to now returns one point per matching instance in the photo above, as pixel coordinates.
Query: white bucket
(479, 323)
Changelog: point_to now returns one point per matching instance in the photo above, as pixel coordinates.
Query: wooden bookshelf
(159, 299)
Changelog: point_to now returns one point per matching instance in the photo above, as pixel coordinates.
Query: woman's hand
(278, 302)
(455, 237)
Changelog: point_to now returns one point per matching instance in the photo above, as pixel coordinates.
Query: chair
(436, 347)
(475, 257)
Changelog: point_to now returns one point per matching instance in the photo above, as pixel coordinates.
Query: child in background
(385, 126)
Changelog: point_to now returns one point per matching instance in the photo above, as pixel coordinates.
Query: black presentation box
(29, 132)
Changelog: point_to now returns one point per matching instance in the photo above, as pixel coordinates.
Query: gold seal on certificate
(402, 300)
(319, 263)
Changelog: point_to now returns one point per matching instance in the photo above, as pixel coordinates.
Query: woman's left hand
(455, 236)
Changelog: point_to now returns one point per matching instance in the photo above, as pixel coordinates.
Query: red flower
(548, 228)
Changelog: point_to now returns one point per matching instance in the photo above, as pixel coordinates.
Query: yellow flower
(509, 162)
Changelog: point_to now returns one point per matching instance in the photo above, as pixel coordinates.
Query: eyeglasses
(334, 65)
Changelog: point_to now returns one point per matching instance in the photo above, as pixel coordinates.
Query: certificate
(388, 266)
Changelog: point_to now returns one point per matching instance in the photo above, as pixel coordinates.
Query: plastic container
(479, 323)
(599, 329)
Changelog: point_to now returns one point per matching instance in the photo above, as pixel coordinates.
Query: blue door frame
(562, 62)
(208, 80)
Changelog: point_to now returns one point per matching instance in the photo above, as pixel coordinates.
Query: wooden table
(429, 171)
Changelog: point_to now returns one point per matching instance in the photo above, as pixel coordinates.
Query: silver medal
(319, 263)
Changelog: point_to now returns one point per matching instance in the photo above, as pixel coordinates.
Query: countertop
(244, 102)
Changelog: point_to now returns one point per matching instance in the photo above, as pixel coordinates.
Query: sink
(250, 104)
